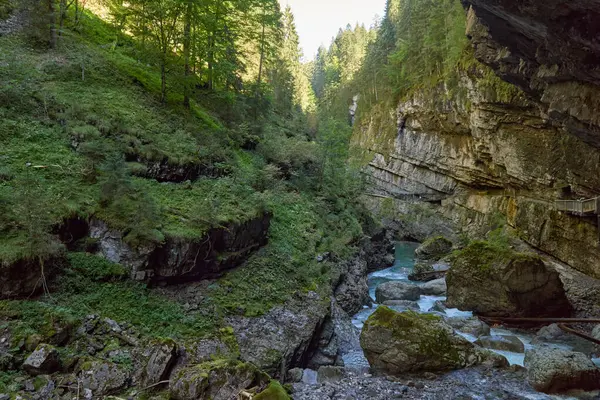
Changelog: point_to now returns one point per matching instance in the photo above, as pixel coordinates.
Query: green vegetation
(102, 125)
(273, 392)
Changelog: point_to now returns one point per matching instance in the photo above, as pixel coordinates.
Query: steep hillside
(128, 217)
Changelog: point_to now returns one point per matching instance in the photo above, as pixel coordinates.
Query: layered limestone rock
(551, 49)
(482, 151)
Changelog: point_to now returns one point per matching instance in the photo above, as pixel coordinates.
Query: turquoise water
(405, 261)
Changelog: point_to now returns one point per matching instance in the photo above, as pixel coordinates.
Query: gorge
(190, 211)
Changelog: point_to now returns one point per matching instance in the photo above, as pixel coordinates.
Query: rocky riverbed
(356, 381)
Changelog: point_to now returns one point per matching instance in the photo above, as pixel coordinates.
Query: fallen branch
(578, 333)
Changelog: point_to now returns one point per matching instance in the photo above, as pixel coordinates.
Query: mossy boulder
(43, 360)
(273, 392)
(216, 380)
(433, 249)
(493, 280)
(397, 343)
(101, 376)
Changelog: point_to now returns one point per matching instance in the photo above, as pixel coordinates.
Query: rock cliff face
(551, 49)
(177, 260)
(487, 150)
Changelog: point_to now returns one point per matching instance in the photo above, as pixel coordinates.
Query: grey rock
(218, 380)
(436, 287)
(433, 249)
(280, 339)
(329, 374)
(397, 343)
(294, 375)
(161, 361)
(439, 306)
(43, 360)
(501, 342)
(490, 282)
(100, 376)
(397, 291)
(472, 326)
(552, 370)
(399, 304)
(352, 290)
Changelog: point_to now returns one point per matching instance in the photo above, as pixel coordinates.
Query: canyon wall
(490, 149)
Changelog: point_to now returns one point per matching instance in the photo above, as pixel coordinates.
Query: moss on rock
(410, 342)
(273, 392)
(493, 279)
(204, 381)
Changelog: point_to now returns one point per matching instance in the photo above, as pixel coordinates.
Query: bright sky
(318, 21)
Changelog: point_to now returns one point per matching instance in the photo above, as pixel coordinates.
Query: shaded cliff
(480, 149)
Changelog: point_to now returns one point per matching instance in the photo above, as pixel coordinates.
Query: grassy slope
(46, 107)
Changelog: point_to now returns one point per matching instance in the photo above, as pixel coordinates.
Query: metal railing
(588, 206)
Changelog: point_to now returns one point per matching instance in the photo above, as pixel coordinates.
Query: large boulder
(552, 370)
(409, 342)
(281, 339)
(436, 287)
(501, 342)
(397, 291)
(495, 281)
(216, 380)
(43, 360)
(433, 249)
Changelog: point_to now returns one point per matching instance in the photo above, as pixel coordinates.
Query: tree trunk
(163, 79)
(52, 25)
(211, 47)
(186, 54)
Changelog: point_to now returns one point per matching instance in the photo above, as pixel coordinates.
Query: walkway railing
(580, 207)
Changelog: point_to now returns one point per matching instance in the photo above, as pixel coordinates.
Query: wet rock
(378, 250)
(294, 375)
(399, 305)
(552, 370)
(433, 249)
(100, 376)
(397, 291)
(436, 287)
(330, 374)
(216, 380)
(408, 342)
(472, 326)
(43, 360)
(420, 272)
(439, 306)
(501, 342)
(162, 357)
(502, 282)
